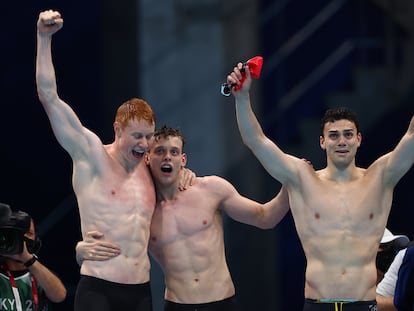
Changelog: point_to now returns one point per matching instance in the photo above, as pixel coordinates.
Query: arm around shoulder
(245, 210)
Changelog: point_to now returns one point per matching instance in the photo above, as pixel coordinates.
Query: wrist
(31, 261)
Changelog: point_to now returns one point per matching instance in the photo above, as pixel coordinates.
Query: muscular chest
(346, 207)
(131, 191)
(115, 195)
(183, 219)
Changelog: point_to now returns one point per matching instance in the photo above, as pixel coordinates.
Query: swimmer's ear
(117, 129)
(183, 160)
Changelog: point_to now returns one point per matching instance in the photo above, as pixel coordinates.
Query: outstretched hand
(49, 22)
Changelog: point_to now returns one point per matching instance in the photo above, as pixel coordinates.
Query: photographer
(25, 283)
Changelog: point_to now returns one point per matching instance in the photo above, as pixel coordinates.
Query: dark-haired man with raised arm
(340, 211)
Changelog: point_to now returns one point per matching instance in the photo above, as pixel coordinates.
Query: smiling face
(166, 159)
(134, 128)
(341, 141)
(134, 140)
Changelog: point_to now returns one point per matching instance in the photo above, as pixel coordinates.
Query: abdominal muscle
(199, 287)
(340, 278)
(119, 204)
(125, 223)
(120, 269)
(340, 231)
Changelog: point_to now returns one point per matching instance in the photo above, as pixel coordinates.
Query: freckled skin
(114, 189)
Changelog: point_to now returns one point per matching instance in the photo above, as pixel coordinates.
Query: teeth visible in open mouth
(166, 168)
(138, 154)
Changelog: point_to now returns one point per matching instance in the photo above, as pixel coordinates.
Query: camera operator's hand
(94, 247)
(23, 257)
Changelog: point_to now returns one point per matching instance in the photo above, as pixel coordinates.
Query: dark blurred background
(175, 54)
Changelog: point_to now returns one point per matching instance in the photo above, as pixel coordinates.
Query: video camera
(13, 226)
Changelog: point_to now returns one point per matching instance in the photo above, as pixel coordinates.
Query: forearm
(401, 159)
(45, 72)
(385, 303)
(276, 209)
(249, 126)
(263, 216)
(52, 285)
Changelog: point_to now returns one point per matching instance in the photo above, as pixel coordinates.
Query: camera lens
(10, 241)
(5, 241)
